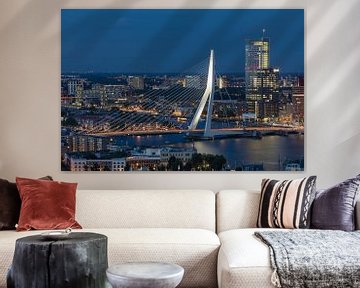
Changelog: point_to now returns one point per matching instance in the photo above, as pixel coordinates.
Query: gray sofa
(210, 235)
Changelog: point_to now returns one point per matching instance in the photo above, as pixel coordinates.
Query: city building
(257, 58)
(298, 103)
(262, 81)
(80, 164)
(101, 95)
(151, 158)
(77, 164)
(86, 143)
(144, 159)
(183, 154)
(264, 96)
(268, 109)
(136, 82)
(286, 112)
(73, 86)
(115, 91)
(292, 80)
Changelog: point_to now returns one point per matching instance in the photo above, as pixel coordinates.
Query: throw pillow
(46, 204)
(10, 203)
(334, 208)
(286, 204)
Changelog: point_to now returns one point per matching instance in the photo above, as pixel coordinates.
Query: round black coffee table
(80, 261)
(145, 275)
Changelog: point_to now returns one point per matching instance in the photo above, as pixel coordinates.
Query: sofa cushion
(244, 261)
(194, 249)
(46, 204)
(153, 209)
(286, 204)
(10, 204)
(334, 208)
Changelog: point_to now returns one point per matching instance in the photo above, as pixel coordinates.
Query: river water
(269, 150)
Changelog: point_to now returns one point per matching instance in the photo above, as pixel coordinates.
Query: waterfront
(269, 150)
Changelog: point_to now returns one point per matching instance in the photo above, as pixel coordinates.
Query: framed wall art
(182, 90)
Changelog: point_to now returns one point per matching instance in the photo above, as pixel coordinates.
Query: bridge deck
(215, 132)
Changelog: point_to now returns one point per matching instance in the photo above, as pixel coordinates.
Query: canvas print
(182, 90)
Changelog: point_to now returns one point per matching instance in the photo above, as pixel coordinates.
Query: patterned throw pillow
(286, 204)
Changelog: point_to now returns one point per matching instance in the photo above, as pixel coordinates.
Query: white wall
(30, 100)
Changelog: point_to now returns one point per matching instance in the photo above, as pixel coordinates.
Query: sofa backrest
(239, 209)
(146, 209)
(236, 209)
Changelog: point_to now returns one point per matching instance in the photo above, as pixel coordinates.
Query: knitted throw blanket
(313, 258)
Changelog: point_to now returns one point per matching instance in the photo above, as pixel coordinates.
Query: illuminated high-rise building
(257, 55)
(257, 58)
(266, 86)
(262, 81)
(263, 84)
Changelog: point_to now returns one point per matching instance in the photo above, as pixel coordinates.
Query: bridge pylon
(208, 95)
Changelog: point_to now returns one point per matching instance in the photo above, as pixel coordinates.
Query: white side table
(145, 275)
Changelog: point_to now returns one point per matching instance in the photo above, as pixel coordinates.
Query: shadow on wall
(38, 13)
(321, 40)
(333, 61)
(335, 74)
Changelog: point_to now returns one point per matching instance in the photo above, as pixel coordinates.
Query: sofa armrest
(357, 215)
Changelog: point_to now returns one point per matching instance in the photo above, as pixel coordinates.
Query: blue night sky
(172, 41)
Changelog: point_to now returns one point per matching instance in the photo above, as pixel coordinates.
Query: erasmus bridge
(175, 109)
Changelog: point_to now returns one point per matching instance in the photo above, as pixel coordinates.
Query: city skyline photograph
(182, 90)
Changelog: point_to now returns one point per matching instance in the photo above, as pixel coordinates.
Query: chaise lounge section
(244, 260)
